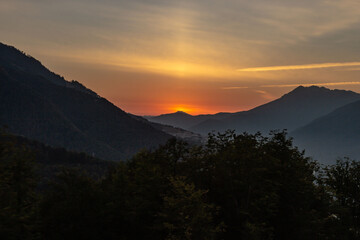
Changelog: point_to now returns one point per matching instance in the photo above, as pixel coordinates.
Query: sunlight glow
(182, 108)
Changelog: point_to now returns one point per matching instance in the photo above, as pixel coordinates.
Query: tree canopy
(244, 186)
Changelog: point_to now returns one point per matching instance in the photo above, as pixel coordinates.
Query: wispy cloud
(265, 95)
(350, 69)
(232, 88)
(261, 92)
(299, 67)
(311, 84)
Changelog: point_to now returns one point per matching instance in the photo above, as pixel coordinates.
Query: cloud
(299, 67)
(232, 88)
(261, 92)
(265, 95)
(311, 84)
(350, 69)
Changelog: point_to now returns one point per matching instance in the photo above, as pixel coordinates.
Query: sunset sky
(201, 56)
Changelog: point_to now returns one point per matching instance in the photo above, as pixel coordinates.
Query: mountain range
(324, 122)
(41, 105)
(293, 110)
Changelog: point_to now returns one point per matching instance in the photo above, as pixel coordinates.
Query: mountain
(41, 105)
(188, 136)
(324, 122)
(334, 135)
(184, 120)
(177, 119)
(293, 110)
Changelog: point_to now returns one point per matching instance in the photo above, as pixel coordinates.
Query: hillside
(41, 105)
(334, 135)
(295, 109)
(50, 161)
(184, 120)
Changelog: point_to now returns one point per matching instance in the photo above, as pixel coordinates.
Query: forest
(236, 186)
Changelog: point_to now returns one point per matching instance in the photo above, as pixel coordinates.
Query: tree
(343, 182)
(72, 207)
(18, 208)
(293, 174)
(185, 213)
(264, 186)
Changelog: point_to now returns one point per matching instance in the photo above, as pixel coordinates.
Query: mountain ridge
(334, 135)
(43, 106)
(292, 110)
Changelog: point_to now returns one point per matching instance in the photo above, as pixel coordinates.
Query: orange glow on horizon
(187, 109)
(183, 108)
(192, 110)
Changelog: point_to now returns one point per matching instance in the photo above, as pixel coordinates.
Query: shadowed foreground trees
(243, 186)
(18, 200)
(343, 183)
(263, 186)
(186, 215)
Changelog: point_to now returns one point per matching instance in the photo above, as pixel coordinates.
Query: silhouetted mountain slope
(177, 119)
(188, 136)
(41, 105)
(334, 135)
(50, 161)
(210, 125)
(293, 110)
(11, 58)
(185, 120)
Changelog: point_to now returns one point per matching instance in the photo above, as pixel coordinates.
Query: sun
(181, 108)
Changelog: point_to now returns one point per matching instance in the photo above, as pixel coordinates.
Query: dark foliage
(343, 182)
(18, 200)
(243, 186)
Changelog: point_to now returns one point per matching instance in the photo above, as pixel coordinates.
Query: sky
(202, 56)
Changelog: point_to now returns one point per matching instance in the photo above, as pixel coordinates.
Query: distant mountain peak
(316, 90)
(174, 114)
(181, 112)
(312, 88)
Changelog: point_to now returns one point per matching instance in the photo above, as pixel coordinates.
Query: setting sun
(182, 108)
